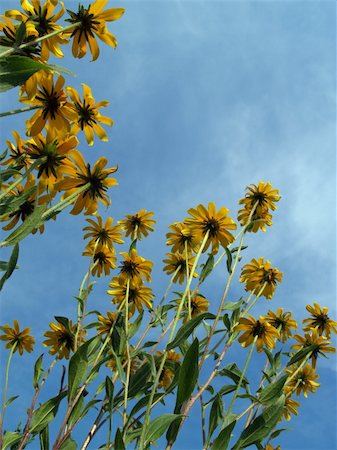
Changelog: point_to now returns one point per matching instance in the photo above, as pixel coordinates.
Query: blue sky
(208, 97)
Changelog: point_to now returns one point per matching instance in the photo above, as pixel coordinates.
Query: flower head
(177, 262)
(265, 333)
(259, 219)
(86, 116)
(18, 155)
(61, 339)
(215, 223)
(182, 238)
(19, 340)
(198, 305)
(138, 294)
(11, 37)
(282, 321)
(320, 343)
(97, 180)
(171, 362)
(303, 381)
(134, 267)
(106, 234)
(138, 225)
(106, 323)
(92, 23)
(263, 194)
(290, 405)
(259, 274)
(104, 258)
(320, 320)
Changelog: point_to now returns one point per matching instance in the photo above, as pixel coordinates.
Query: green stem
(20, 179)
(63, 203)
(18, 111)
(156, 381)
(38, 40)
(240, 381)
(5, 391)
(128, 359)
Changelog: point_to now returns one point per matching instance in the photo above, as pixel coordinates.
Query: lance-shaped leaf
(272, 392)
(232, 371)
(45, 413)
(215, 416)
(262, 426)
(44, 438)
(15, 70)
(134, 327)
(109, 390)
(222, 441)
(158, 427)
(10, 438)
(229, 260)
(119, 443)
(207, 268)
(11, 265)
(188, 374)
(138, 380)
(11, 203)
(38, 371)
(301, 354)
(78, 366)
(184, 332)
(69, 444)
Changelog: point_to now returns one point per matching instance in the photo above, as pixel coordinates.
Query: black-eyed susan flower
(303, 381)
(106, 234)
(44, 22)
(52, 104)
(139, 296)
(138, 225)
(259, 273)
(19, 340)
(215, 223)
(181, 238)
(62, 339)
(282, 321)
(263, 195)
(259, 219)
(51, 151)
(177, 262)
(290, 406)
(106, 323)
(79, 174)
(198, 305)
(89, 23)
(320, 320)
(322, 345)
(134, 268)
(17, 155)
(104, 259)
(10, 35)
(265, 333)
(85, 115)
(172, 361)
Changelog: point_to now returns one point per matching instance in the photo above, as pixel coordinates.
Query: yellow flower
(104, 259)
(282, 321)
(303, 381)
(215, 223)
(266, 333)
(106, 323)
(17, 156)
(320, 320)
(258, 273)
(167, 374)
(134, 268)
(258, 221)
(62, 340)
(290, 406)
(20, 340)
(103, 235)
(271, 447)
(199, 305)
(81, 174)
(139, 295)
(263, 194)
(321, 344)
(44, 22)
(10, 36)
(52, 152)
(52, 104)
(177, 261)
(92, 22)
(86, 116)
(182, 237)
(138, 225)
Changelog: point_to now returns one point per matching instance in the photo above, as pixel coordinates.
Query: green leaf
(77, 411)
(78, 366)
(45, 413)
(232, 306)
(12, 203)
(232, 371)
(20, 33)
(207, 268)
(262, 426)
(11, 265)
(229, 260)
(222, 441)
(69, 444)
(119, 366)
(138, 380)
(226, 321)
(278, 432)
(188, 375)
(135, 325)
(184, 332)
(119, 443)
(142, 403)
(11, 400)
(301, 354)
(38, 371)
(31, 222)
(158, 427)
(15, 70)
(109, 389)
(10, 438)
(272, 392)
(215, 416)
(44, 438)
